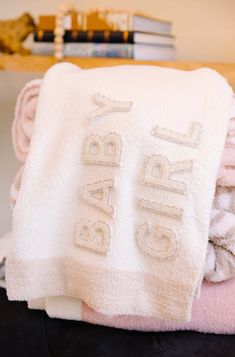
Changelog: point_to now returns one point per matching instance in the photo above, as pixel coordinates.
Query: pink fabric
(24, 116)
(15, 187)
(214, 312)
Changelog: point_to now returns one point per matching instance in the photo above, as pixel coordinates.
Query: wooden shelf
(42, 63)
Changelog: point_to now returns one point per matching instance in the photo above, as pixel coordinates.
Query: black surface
(28, 333)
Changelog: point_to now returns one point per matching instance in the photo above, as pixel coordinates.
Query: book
(106, 36)
(135, 51)
(144, 23)
(110, 20)
(72, 21)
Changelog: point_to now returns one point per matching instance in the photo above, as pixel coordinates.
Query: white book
(138, 22)
(136, 51)
(148, 24)
(155, 39)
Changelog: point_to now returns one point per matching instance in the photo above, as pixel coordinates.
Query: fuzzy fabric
(98, 245)
(24, 118)
(209, 315)
(213, 312)
(220, 260)
(226, 173)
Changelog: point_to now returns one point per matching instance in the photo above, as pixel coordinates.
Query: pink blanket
(215, 310)
(24, 117)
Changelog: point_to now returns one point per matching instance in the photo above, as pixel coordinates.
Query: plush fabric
(50, 227)
(24, 116)
(213, 312)
(220, 262)
(226, 173)
(220, 256)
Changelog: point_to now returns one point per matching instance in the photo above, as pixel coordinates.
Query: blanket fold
(115, 200)
(213, 312)
(24, 117)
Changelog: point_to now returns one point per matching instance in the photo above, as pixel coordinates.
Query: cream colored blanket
(117, 190)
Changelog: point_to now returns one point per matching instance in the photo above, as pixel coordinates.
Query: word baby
(107, 151)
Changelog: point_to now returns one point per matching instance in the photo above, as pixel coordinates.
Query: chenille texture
(45, 260)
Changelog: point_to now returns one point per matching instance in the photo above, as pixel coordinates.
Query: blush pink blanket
(24, 116)
(215, 310)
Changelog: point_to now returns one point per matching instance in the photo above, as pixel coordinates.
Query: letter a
(98, 194)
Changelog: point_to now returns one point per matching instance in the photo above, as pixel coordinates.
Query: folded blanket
(220, 264)
(114, 187)
(220, 259)
(24, 116)
(220, 254)
(213, 312)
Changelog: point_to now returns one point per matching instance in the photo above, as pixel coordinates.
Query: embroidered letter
(160, 208)
(158, 171)
(107, 106)
(103, 150)
(159, 242)
(99, 194)
(95, 237)
(190, 139)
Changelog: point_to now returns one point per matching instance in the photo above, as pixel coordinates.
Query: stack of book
(108, 34)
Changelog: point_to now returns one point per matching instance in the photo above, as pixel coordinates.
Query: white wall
(204, 29)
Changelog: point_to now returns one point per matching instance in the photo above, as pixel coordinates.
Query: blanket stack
(123, 204)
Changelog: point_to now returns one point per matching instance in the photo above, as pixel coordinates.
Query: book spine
(87, 36)
(70, 21)
(86, 49)
(98, 50)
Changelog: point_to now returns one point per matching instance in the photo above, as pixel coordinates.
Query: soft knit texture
(220, 258)
(220, 262)
(208, 314)
(226, 174)
(220, 253)
(24, 118)
(61, 188)
(213, 312)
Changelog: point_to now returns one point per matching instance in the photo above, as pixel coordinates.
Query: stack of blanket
(126, 198)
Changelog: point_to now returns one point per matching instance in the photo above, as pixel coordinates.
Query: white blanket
(117, 190)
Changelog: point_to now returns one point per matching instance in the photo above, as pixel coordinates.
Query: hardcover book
(110, 20)
(106, 36)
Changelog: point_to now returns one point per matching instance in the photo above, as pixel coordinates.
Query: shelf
(42, 63)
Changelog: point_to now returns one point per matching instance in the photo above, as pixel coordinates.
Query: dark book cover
(87, 36)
